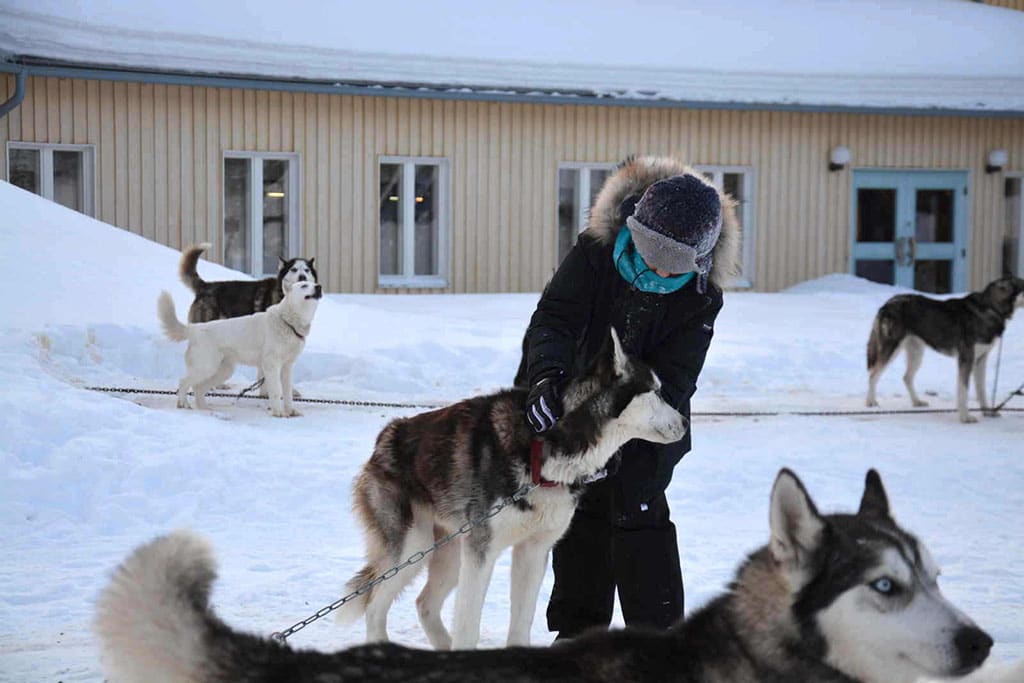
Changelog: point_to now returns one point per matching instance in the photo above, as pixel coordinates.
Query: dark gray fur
(232, 298)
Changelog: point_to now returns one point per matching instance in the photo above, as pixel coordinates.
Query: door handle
(905, 250)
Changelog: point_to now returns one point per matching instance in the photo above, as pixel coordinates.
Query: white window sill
(419, 281)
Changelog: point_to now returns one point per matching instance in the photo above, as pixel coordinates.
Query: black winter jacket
(670, 332)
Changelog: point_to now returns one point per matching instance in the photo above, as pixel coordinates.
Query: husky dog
(831, 599)
(233, 298)
(430, 473)
(966, 328)
(270, 340)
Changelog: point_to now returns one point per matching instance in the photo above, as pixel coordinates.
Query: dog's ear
(619, 358)
(796, 526)
(310, 261)
(281, 263)
(874, 502)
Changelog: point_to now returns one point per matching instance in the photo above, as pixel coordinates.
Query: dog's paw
(184, 405)
(871, 403)
(968, 419)
(294, 413)
(920, 404)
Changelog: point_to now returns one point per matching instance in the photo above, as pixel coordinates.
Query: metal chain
(525, 489)
(331, 401)
(995, 380)
(432, 406)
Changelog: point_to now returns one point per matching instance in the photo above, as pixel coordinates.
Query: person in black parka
(660, 242)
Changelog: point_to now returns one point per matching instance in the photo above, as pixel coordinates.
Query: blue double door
(909, 229)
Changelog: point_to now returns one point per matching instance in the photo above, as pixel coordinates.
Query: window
(738, 183)
(261, 211)
(413, 222)
(61, 173)
(578, 185)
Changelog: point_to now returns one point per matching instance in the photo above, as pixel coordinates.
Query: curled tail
(187, 266)
(153, 618)
(174, 329)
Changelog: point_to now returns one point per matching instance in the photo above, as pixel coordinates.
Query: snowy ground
(84, 477)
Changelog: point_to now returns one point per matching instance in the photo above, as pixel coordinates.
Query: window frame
(746, 215)
(46, 150)
(582, 194)
(255, 254)
(408, 278)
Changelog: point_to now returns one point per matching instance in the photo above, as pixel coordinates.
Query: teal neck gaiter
(634, 271)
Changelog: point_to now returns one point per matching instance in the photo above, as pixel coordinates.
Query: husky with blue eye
(837, 598)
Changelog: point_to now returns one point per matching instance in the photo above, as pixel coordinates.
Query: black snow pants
(608, 548)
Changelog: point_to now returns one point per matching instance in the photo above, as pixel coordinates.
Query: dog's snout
(972, 645)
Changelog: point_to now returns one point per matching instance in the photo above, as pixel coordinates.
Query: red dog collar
(536, 455)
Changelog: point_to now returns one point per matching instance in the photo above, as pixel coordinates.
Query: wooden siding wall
(1012, 4)
(159, 166)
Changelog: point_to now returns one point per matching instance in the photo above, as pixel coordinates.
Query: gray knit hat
(676, 225)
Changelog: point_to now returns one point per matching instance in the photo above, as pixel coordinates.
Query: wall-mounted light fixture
(838, 158)
(997, 159)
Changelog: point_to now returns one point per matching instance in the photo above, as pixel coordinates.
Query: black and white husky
(430, 473)
(839, 598)
(233, 298)
(966, 328)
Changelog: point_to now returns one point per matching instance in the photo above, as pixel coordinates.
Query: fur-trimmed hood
(622, 190)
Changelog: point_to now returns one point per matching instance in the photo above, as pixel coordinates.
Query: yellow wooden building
(430, 186)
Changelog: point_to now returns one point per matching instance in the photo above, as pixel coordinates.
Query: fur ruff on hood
(623, 189)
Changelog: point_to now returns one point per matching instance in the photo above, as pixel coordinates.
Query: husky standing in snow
(966, 328)
(838, 598)
(431, 473)
(234, 298)
(270, 340)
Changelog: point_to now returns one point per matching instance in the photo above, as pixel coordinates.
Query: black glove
(544, 403)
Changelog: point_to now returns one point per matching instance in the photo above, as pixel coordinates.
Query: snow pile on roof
(947, 54)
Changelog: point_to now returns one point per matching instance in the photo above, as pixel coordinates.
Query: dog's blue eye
(884, 585)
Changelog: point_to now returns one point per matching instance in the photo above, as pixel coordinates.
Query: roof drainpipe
(19, 93)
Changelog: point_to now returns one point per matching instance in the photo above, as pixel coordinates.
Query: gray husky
(836, 598)
(430, 473)
(234, 298)
(966, 328)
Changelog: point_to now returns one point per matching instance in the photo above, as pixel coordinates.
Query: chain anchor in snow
(524, 490)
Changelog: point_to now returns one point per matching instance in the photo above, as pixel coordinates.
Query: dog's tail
(174, 329)
(153, 617)
(874, 341)
(356, 607)
(187, 266)
(886, 335)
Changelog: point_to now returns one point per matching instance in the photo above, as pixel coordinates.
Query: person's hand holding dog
(544, 403)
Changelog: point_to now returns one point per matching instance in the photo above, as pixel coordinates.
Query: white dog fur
(270, 340)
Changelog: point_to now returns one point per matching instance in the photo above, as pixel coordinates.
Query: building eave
(36, 66)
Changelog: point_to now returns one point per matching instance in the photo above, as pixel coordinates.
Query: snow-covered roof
(919, 54)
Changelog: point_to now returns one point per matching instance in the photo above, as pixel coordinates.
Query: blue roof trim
(16, 64)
